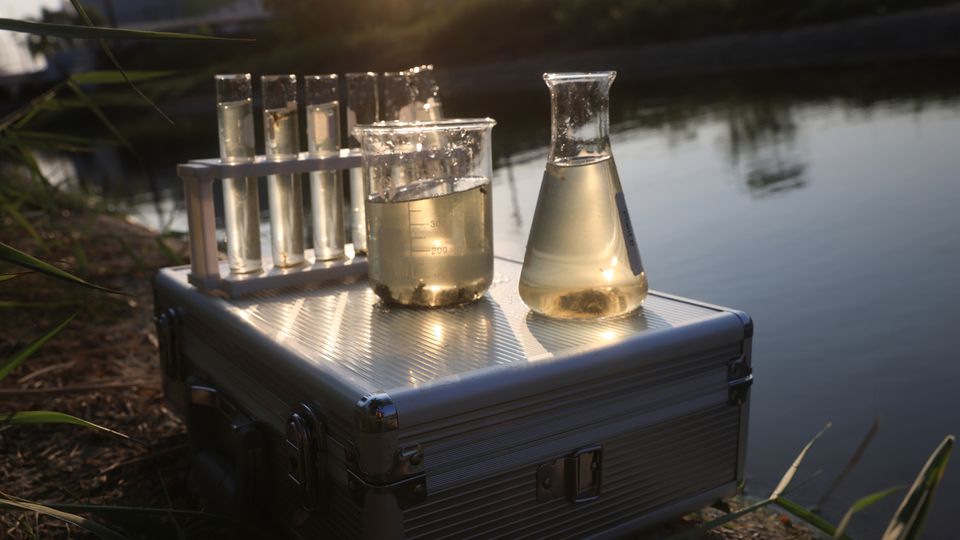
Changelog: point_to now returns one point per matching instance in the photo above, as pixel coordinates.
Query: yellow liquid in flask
(582, 260)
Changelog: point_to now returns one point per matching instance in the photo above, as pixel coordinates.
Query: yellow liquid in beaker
(432, 246)
(577, 263)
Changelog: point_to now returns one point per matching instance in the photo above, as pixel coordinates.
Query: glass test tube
(363, 107)
(322, 104)
(241, 199)
(282, 141)
(398, 97)
(426, 106)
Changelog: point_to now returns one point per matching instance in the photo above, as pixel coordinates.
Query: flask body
(581, 260)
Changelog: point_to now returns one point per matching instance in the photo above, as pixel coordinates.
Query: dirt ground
(103, 367)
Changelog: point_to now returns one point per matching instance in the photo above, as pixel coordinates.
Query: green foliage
(863, 503)
(788, 476)
(53, 417)
(156, 523)
(89, 525)
(908, 521)
(15, 256)
(99, 32)
(11, 363)
(809, 517)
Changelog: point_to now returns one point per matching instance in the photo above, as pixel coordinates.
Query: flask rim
(579, 76)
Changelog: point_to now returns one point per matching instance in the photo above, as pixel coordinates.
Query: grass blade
(98, 112)
(788, 476)
(907, 522)
(155, 523)
(116, 77)
(863, 503)
(116, 63)
(80, 521)
(12, 275)
(30, 108)
(14, 213)
(25, 353)
(100, 32)
(174, 258)
(854, 459)
(809, 517)
(53, 417)
(722, 520)
(19, 258)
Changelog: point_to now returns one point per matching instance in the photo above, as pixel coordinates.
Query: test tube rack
(211, 275)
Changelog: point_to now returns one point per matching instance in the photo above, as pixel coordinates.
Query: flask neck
(580, 111)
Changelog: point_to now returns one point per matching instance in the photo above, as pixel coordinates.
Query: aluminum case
(322, 413)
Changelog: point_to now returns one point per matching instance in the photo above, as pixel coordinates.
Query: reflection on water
(763, 136)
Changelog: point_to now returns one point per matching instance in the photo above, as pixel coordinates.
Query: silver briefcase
(322, 413)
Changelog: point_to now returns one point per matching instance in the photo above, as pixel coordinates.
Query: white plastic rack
(207, 272)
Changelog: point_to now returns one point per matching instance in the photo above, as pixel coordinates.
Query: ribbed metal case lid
(342, 328)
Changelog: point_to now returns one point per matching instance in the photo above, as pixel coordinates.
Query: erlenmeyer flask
(582, 259)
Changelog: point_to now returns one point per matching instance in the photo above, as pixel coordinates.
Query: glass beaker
(363, 107)
(322, 104)
(281, 129)
(582, 259)
(429, 210)
(241, 196)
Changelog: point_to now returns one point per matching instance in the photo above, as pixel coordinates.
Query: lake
(825, 204)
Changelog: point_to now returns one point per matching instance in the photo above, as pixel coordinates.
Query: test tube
(322, 103)
(241, 199)
(398, 96)
(363, 107)
(281, 129)
(427, 106)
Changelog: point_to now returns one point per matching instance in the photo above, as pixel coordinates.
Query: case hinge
(578, 477)
(739, 379)
(168, 337)
(306, 451)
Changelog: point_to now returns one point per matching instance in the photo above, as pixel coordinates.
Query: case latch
(739, 379)
(578, 477)
(305, 450)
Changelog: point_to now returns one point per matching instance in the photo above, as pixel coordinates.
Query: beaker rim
(579, 76)
(397, 126)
